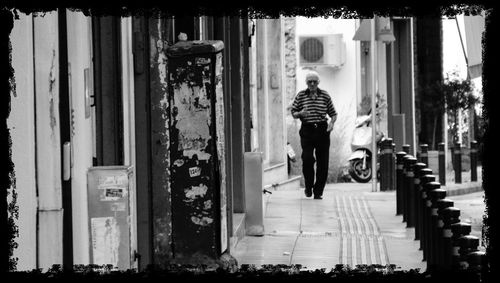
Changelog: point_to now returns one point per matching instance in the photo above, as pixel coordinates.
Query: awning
(474, 27)
(364, 31)
(383, 26)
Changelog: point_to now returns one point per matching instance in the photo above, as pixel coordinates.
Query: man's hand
(301, 114)
(330, 126)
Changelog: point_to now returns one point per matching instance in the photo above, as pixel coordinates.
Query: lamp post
(369, 31)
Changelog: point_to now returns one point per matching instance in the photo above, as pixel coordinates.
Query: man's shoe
(308, 194)
(318, 197)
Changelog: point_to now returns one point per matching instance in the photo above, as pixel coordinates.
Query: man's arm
(333, 115)
(331, 123)
(296, 113)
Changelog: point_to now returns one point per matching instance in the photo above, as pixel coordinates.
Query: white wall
(21, 123)
(129, 122)
(79, 58)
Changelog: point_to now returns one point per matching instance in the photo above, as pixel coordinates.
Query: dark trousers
(315, 142)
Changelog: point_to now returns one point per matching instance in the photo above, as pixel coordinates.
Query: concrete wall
(21, 123)
(269, 97)
(48, 151)
(34, 122)
(80, 66)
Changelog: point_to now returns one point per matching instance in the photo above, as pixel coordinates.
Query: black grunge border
(261, 9)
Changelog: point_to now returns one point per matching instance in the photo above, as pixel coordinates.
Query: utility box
(197, 150)
(109, 190)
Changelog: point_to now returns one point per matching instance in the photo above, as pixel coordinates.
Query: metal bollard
(442, 164)
(393, 167)
(410, 192)
(478, 263)
(457, 152)
(468, 244)
(404, 187)
(385, 164)
(399, 182)
(406, 148)
(450, 216)
(426, 178)
(435, 195)
(424, 157)
(418, 197)
(473, 161)
(439, 251)
(458, 230)
(428, 187)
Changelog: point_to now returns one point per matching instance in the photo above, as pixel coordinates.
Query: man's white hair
(312, 75)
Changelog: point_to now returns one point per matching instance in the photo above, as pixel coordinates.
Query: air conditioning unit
(322, 50)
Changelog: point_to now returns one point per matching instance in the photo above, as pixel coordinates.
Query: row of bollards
(389, 160)
(457, 161)
(444, 240)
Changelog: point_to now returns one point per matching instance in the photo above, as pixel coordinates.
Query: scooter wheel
(358, 173)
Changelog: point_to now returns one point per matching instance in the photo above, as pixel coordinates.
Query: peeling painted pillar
(199, 213)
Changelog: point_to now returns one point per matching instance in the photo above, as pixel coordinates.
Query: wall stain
(52, 83)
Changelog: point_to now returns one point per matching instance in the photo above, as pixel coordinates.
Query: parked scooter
(360, 161)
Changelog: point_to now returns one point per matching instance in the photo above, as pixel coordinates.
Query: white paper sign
(105, 240)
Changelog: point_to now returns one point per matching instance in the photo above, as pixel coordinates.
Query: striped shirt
(317, 108)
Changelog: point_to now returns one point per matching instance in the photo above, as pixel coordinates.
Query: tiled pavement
(351, 225)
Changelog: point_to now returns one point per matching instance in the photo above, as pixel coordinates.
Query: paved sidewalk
(351, 225)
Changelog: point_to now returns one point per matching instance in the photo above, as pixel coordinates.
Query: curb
(462, 189)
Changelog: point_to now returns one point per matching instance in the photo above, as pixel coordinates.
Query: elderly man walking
(312, 106)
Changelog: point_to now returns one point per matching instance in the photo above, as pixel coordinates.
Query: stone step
(275, 173)
(292, 183)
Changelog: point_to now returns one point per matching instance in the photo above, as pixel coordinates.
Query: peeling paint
(220, 146)
(162, 69)
(52, 82)
(207, 205)
(202, 221)
(179, 162)
(196, 191)
(160, 111)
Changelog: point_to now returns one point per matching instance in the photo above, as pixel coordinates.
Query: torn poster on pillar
(192, 120)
